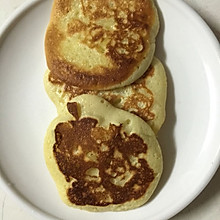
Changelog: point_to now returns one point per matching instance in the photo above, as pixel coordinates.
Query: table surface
(207, 204)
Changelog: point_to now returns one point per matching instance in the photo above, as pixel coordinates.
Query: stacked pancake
(110, 94)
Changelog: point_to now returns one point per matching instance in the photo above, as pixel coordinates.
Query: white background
(207, 205)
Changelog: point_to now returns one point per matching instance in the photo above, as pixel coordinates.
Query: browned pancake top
(125, 44)
(100, 163)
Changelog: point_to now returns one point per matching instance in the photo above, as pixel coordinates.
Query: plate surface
(189, 139)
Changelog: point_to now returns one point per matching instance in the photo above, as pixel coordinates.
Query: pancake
(100, 45)
(102, 158)
(146, 97)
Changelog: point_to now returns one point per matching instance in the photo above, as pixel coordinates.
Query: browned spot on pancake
(142, 103)
(95, 36)
(128, 41)
(72, 76)
(64, 6)
(150, 72)
(76, 26)
(93, 158)
(73, 109)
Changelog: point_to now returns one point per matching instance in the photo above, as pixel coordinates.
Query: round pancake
(98, 44)
(146, 97)
(100, 157)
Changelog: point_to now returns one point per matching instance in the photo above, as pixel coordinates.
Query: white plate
(190, 138)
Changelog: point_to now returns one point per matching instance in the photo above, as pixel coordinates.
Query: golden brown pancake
(146, 97)
(100, 157)
(100, 44)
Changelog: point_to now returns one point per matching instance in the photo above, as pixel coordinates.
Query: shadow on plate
(166, 134)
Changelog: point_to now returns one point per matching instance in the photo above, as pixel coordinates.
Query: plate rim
(37, 212)
(4, 184)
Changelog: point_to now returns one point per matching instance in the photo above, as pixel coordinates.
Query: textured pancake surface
(100, 44)
(146, 97)
(100, 157)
